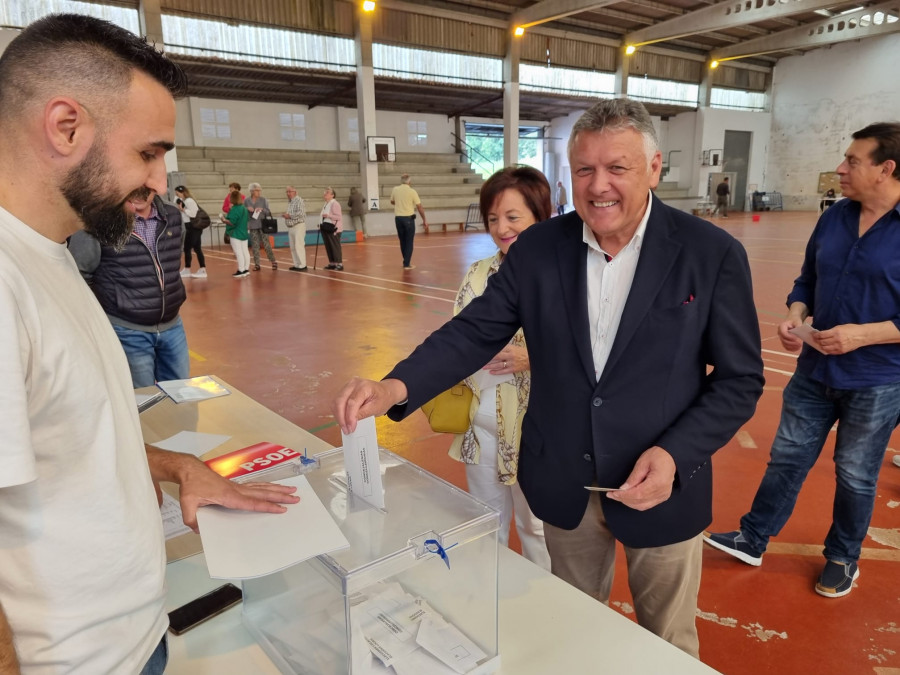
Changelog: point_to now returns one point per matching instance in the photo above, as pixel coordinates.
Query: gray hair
(404, 178)
(254, 186)
(617, 114)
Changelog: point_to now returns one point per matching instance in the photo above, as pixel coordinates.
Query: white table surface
(547, 627)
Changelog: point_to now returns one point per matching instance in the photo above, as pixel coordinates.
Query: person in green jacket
(236, 229)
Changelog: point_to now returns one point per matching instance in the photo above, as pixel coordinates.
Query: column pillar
(704, 93)
(365, 107)
(150, 21)
(623, 61)
(511, 100)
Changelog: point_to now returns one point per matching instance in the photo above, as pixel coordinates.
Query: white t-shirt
(82, 560)
(190, 210)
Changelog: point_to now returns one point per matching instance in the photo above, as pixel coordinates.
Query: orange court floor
(290, 340)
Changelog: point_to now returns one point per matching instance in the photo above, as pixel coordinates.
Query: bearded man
(87, 113)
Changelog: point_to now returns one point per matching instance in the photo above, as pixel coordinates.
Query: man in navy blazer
(645, 359)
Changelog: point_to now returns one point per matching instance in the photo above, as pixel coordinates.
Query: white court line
(375, 287)
(364, 276)
(380, 288)
(776, 370)
(404, 283)
(772, 351)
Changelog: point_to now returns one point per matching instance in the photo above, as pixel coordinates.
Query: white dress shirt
(608, 285)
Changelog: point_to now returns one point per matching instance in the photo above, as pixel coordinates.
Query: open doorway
(736, 163)
(486, 143)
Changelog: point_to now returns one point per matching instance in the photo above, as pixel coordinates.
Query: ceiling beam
(850, 26)
(719, 16)
(333, 94)
(551, 10)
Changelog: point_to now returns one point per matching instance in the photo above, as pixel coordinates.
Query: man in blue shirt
(849, 371)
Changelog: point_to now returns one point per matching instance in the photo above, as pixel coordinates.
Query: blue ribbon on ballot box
(434, 546)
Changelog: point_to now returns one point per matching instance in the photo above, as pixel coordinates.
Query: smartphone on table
(203, 608)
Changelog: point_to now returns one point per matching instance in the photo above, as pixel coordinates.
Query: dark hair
(236, 186)
(887, 138)
(72, 52)
(529, 182)
(236, 197)
(183, 190)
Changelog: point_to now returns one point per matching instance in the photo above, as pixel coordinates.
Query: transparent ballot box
(415, 594)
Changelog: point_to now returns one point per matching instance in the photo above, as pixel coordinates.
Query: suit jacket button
(587, 457)
(597, 402)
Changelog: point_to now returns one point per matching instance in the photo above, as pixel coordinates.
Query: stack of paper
(245, 544)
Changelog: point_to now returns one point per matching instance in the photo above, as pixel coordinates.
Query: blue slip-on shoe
(837, 579)
(734, 544)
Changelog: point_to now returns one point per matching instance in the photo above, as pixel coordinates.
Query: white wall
(561, 129)
(6, 36)
(257, 125)
(438, 128)
(711, 125)
(822, 97)
(680, 137)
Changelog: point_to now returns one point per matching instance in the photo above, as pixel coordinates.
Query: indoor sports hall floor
(291, 340)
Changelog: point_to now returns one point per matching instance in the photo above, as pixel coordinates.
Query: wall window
(23, 12)
(215, 123)
(588, 83)
(293, 126)
(417, 132)
(663, 91)
(420, 64)
(202, 37)
(353, 130)
(737, 100)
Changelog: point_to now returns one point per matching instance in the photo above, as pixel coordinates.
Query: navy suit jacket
(684, 373)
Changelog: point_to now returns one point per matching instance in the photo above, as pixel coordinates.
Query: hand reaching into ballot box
(201, 486)
(365, 398)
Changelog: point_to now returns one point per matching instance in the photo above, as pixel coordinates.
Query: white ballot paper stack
(362, 463)
(405, 634)
(245, 544)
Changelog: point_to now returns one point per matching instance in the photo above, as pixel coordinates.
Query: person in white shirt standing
(295, 219)
(87, 114)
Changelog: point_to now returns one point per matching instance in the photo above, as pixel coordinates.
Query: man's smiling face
(611, 179)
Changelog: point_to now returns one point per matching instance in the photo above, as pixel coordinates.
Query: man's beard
(90, 190)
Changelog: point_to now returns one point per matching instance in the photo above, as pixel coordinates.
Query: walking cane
(316, 257)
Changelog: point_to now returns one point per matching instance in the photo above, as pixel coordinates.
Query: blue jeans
(153, 357)
(159, 659)
(866, 417)
(406, 231)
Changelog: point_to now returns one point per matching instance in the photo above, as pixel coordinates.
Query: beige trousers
(664, 580)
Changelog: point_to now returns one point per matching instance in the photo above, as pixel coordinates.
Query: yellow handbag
(448, 412)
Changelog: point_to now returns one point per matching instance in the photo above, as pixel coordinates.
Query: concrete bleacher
(445, 183)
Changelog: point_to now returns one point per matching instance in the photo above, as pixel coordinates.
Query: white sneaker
(186, 272)
(896, 460)
(200, 274)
